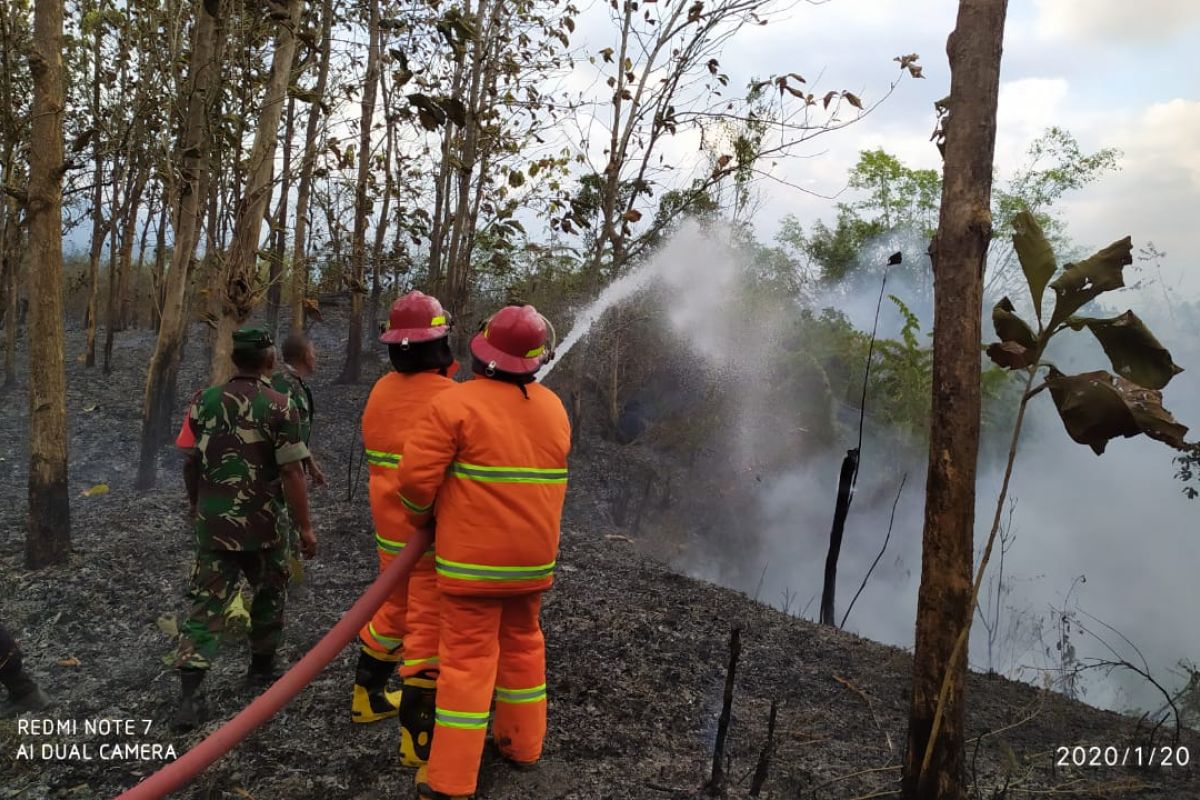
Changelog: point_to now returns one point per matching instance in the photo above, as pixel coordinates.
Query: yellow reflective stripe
(411, 506)
(389, 545)
(485, 572)
(392, 546)
(535, 352)
(468, 720)
(381, 458)
(477, 472)
(521, 695)
(387, 641)
(412, 662)
(437, 321)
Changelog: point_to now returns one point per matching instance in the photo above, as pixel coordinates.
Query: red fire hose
(224, 738)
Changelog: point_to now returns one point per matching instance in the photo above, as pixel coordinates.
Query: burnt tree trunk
(190, 191)
(100, 226)
(240, 288)
(307, 165)
(48, 539)
(959, 253)
(279, 223)
(358, 244)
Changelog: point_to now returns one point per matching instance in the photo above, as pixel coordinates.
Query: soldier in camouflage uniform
(245, 464)
(299, 362)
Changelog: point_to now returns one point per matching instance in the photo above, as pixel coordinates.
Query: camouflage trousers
(214, 583)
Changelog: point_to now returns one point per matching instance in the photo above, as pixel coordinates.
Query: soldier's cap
(254, 337)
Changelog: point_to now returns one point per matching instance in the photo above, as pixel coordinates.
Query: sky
(1113, 73)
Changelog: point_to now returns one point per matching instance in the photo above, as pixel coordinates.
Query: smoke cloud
(1120, 520)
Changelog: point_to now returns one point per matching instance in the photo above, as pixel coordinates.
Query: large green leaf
(1083, 282)
(1010, 327)
(1036, 256)
(1097, 407)
(1133, 350)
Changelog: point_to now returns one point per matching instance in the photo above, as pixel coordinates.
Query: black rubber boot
(418, 706)
(372, 701)
(261, 673)
(193, 710)
(23, 694)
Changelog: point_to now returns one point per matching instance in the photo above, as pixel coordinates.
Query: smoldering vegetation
(754, 401)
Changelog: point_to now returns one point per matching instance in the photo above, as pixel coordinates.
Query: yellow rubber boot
(417, 707)
(372, 701)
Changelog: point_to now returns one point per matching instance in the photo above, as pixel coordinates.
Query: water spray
(849, 473)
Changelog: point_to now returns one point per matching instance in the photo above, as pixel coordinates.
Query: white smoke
(1120, 519)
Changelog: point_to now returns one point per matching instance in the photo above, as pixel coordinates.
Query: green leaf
(1036, 256)
(1083, 282)
(1133, 350)
(1097, 407)
(1011, 328)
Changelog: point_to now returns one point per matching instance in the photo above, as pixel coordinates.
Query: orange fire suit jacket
(495, 462)
(396, 403)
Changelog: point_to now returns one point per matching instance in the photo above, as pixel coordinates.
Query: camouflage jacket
(245, 431)
(288, 383)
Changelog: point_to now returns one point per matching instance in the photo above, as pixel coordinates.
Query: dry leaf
(95, 491)
(618, 537)
(69, 662)
(91, 408)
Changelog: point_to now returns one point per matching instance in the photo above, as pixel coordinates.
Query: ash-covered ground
(637, 654)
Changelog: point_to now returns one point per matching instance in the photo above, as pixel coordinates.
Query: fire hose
(265, 706)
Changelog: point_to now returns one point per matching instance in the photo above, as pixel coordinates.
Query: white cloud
(1027, 107)
(1156, 194)
(1115, 20)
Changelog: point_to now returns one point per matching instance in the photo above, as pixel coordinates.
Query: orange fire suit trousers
(488, 644)
(409, 616)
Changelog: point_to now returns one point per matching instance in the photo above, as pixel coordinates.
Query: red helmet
(416, 317)
(514, 341)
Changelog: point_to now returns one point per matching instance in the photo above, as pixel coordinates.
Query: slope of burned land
(637, 654)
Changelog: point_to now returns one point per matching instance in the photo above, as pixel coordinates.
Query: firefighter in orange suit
(418, 345)
(490, 461)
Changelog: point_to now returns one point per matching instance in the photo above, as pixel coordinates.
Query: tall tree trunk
(158, 283)
(459, 257)
(112, 310)
(191, 190)
(139, 290)
(304, 193)
(100, 226)
(959, 252)
(125, 278)
(279, 223)
(11, 255)
(48, 539)
(384, 211)
(358, 244)
(240, 284)
(10, 230)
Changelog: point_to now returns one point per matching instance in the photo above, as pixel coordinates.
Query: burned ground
(637, 654)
